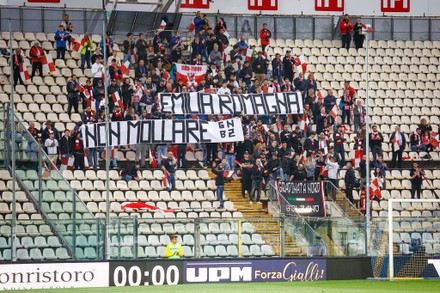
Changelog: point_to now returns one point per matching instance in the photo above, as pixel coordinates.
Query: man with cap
(173, 249)
(339, 139)
(246, 166)
(46, 131)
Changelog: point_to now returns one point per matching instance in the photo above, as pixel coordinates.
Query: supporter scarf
(375, 135)
(77, 145)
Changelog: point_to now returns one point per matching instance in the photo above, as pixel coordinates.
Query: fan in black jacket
(257, 181)
(350, 182)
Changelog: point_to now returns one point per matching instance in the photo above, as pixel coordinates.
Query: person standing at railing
(332, 167)
(257, 181)
(173, 249)
(219, 171)
(350, 182)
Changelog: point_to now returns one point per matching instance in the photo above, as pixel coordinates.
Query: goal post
(421, 256)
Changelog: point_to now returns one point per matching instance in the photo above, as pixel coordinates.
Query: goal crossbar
(390, 227)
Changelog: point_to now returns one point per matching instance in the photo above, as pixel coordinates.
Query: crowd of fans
(275, 147)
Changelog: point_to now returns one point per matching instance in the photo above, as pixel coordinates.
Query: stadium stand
(404, 89)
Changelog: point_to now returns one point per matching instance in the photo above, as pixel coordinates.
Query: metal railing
(349, 209)
(42, 182)
(299, 227)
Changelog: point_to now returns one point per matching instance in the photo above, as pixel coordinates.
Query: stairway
(342, 201)
(261, 219)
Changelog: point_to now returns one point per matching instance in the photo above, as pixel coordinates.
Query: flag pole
(367, 151)
(107, 149)
(13, 155)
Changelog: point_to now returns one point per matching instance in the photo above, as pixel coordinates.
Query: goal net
(405, 241)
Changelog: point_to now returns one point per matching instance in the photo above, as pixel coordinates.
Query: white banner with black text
(163, 132)
(247, 104)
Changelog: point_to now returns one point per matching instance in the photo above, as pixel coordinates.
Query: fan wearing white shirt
(51, 145)
(224, 90)
(97, 71)
(332, 168)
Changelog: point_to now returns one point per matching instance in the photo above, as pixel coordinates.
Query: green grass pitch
(351, 286)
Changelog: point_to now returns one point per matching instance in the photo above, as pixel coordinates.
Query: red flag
(347, 128)
(334, 112)
(117, 99)
(246, 54)
(86, 161)
(77, 47)
(165, 180)
(143, 206)
(24, 73)
(367, 28)
(48, 65)
(67, 163)
(163, 25)
(303, 156)
(82, 90)
(356, 157)
(192, 26)
(125, 68)
(396, 144)
(113, 153)
(375, 189)
(319, 95)
(300, 63)
(153, 161)
(228, 174)
(185, 72)
(303, 122)
(434, 140)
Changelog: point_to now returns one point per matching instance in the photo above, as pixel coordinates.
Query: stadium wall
(171, 272)
(315, 7)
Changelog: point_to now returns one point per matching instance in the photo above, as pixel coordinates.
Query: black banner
(247, 104)
(145, 273)
(303, 197)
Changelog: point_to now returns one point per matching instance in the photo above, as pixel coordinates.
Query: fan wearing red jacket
(36, 54)
(346, 27)
(265, 35)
